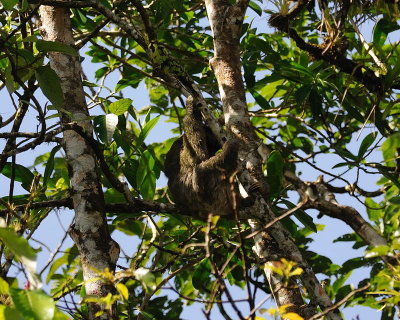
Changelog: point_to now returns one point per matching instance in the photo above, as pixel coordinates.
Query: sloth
(199, 179)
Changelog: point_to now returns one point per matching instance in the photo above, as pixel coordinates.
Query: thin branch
(361, 73)
(138, 206)
(339, 303)
(53, 254)
(281, 217)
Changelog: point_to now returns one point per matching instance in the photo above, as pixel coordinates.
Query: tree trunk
(226, 21)
(98, 252)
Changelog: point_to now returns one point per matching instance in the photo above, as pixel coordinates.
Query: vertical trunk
(226, 21)
(98, 252)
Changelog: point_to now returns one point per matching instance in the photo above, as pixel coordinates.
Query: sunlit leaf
(148, 126)
(20, 247)
(4, 287)
(120, 106)
(8, 313)
(389, 147)
(105, 126)
(33, 304)
(147, 278)
(65, 259)
(123, 290)
(292, 316)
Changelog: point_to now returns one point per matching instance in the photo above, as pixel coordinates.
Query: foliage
(314, 114)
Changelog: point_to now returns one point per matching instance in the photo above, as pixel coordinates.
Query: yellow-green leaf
(123, 290)
(292, 316)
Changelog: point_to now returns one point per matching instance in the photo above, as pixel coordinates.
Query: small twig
(282, 216)
(53, 254)
(339, 303)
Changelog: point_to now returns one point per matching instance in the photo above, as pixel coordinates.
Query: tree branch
(340, 302)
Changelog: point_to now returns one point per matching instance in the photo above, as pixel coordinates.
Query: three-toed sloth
(199, 178)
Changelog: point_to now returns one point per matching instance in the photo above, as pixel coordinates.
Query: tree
(294, 85)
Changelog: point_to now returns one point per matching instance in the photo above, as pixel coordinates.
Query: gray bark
(98, 252)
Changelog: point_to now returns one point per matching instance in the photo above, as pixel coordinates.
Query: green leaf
(275, 166)
(146, 315)
(340, 281)
(365, 144)
(353, 264)
(392, 74)
(81, 15)
(304, 144)
(381, 30)
(249, 68)
(105, 127)
(50, 84)
(19, 246)
(58, 315)
(145, 177)
(9, 79)
(50, 165)
(262, 102)
(123, 290)
(120, 107)
(33, 304)
(301, 69)
(389, 148)
(130, 81)
(346, 154)
(22, 174)
(377, 251)
(4, 287)
(395, 200)
(374, 210)
(273, 90)
(354, 112)
(130, 227)
(306, 220)
(341, 164)
(255, 7)
(147, 278)
(7, 313)
(49, 46)
(349, 237)
(148, 126)
(302, 216)
(87, 83)
(315, 101)
(342, 292)
(24, 5)
(21, 249)
(130, 170)
(65, 260)
(9, 4)
(201, 275)
(302, 93)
